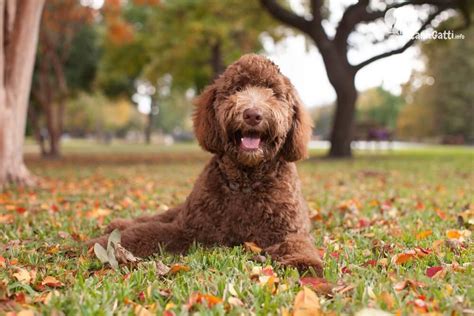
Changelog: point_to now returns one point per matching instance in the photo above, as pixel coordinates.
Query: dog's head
(253, 114)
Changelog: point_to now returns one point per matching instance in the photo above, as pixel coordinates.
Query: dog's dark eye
(238, 89)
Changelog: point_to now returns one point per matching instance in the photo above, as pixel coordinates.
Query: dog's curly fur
(243, 194)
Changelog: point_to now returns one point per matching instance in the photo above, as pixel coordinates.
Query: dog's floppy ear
(205, 121)
(295, 146)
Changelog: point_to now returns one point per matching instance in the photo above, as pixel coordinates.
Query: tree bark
(19, 26)
(343, 123)
(217, 62)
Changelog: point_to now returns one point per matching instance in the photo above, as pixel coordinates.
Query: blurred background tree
(441, 96)
(66, 62)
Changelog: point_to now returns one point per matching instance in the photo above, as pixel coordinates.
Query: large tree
(19, 25)
(65, 62)
(334, 49)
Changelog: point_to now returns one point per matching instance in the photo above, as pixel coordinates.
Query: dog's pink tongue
(250, 142)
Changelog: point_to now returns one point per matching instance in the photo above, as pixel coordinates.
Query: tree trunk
(341, 75)
(54, 126)
(343, 122)
(19, 26)
(217, 62)
(149, 127)
(33, 117)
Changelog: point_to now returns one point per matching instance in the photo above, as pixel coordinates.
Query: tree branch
(404, 47)
(285, 16)
(358, 13)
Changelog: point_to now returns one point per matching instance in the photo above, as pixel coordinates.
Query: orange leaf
(402, 258)
(6, 219)
(3, 262)
(175, 268)
(424, 234)
(198, 298)
(453, 234)
(251, 246)
(441, 214)
(52, 282)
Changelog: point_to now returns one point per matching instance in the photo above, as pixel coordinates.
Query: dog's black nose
(252, 116)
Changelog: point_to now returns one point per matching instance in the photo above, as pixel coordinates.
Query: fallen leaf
(161, 268)
(372, 312)
(453, 234)
(101, 253)
(432, 271)
(319, 285)
(234, 301)
(140, 310)
(98, 213)
(199, 298)
(175, 268)
(124, 256)
(3, 262)
(424, 234)
(22, 275)
(51, 282)
(6, 219)
(251, 246)
(25, 312)
(412, 284)
(306, 303)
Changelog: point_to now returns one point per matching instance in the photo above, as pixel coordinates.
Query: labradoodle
(253, 122)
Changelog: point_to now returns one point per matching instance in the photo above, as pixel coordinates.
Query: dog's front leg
(122, 223)
(145, 239)
(298, 251)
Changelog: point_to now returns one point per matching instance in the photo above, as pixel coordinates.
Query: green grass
(417, 186)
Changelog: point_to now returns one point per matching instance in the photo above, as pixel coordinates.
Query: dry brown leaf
(51, 282)
(124, 256)
(23, 276)
(161, 268)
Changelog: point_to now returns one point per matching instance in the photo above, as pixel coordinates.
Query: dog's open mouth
(249, 141)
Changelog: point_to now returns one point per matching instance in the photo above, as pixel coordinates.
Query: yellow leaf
(306, 303)
(424, 234)
(139, 310)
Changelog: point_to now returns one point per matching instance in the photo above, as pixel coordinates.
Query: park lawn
(385, 222)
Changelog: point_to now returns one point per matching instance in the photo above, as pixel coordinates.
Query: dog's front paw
(118, 223)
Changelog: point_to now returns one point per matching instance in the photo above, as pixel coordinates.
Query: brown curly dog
(254, 123)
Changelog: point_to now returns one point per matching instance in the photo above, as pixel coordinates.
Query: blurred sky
(302, 63)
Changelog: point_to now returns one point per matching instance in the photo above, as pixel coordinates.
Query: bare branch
(285, 16)
(358, 13)
(404, 47)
